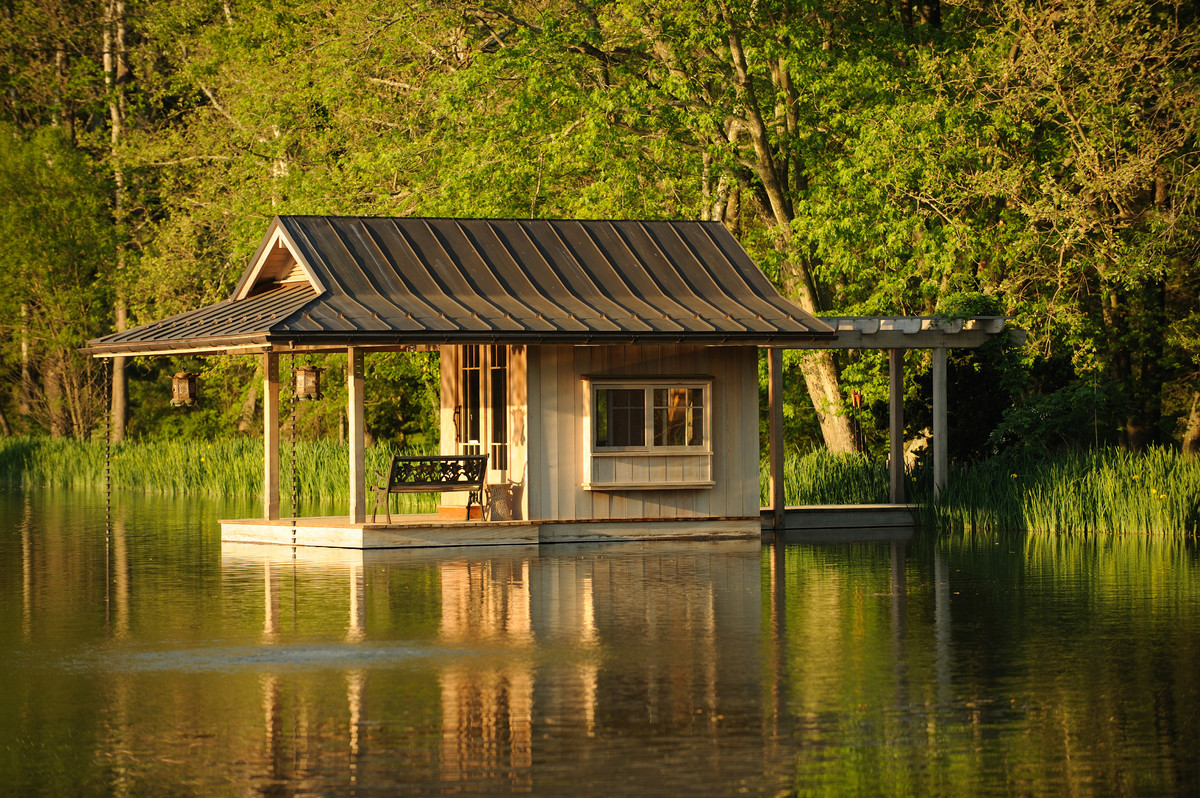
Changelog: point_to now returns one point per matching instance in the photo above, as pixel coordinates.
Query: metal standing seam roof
(375, 281)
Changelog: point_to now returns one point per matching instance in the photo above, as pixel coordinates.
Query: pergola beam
(912, 332)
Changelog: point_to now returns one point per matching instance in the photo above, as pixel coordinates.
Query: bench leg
(477, 497)
(387, 507)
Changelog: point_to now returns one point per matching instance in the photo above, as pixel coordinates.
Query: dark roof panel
(411, 280)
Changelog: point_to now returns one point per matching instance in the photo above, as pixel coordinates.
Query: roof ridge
(553, 219)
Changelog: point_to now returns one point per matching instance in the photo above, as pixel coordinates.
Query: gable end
(277, 263)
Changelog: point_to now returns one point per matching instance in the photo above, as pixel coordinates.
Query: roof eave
(198, 346)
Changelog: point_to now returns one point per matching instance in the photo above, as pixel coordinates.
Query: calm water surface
(152, 659)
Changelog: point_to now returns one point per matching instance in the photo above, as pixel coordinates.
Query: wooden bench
(431, 475)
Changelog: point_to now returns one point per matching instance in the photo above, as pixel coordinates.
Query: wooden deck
(409, 531)
(428, 530)
(801, 524)
(842, 522)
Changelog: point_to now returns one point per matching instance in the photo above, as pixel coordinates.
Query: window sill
(657, 451)
(612, 486)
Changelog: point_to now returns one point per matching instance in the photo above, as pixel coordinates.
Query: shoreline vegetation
(230, 467)
(1112, 490)
(1107, 490)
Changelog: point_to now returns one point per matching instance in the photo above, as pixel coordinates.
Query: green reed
(1156, 492)
(823, 477)
(222, 467)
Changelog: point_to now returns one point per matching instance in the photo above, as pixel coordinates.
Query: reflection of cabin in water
(607, 368)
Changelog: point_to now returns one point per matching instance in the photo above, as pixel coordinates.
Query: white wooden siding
(557, 425)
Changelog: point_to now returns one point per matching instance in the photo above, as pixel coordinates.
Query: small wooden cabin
(609, 369)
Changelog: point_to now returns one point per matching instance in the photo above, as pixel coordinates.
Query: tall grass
(822, 477)
(1153, 492)
(225, 467)
(1108, 490)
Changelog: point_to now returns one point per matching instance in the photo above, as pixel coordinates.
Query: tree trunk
(819, 368)
(776, 173)
(26, 387)
(821, 378)
(52, 387)
(246, 416)
(1191, 437)
(5, 430)
(115, 74)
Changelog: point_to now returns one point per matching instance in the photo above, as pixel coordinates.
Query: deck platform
(842, 522)
(430, 530)
(414, 531)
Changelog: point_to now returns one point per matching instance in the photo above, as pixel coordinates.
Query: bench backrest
(466, 470)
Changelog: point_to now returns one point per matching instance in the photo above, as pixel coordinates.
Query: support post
(270, 436)
(896, 425)
(775, 434)
(357, 434)
(940, 424)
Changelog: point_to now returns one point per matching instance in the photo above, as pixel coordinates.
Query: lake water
(150, 659)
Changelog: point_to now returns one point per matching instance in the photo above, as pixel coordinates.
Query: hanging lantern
(308, 382)
(183, 389)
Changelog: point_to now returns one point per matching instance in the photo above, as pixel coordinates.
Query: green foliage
(968, 304)
(1073, 417)
(1035, 160)
(58, 246)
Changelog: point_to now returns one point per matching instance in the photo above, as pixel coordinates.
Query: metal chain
(295, 480)
(107, 449)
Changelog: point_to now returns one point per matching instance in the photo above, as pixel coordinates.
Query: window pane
(600, 414)
(620, 417)
(695, 431)
(670, 416)
(678, 416)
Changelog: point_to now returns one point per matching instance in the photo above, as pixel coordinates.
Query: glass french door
(483, 412)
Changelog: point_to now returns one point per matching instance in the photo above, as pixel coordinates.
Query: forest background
(1030, 158)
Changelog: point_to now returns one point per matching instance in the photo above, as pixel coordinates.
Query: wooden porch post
(775, 434)
(357, 436)
(940, 425)
(270, 436)
(896, 425)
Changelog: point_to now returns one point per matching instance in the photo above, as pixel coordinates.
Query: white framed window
(648, 433)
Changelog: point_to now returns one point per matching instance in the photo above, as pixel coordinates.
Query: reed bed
(823, 477)
(1153, 492)
(225, 467)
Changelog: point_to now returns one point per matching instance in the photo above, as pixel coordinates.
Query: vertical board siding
(518, 411)
(449, 395)
(537, 482)
(557, 454)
